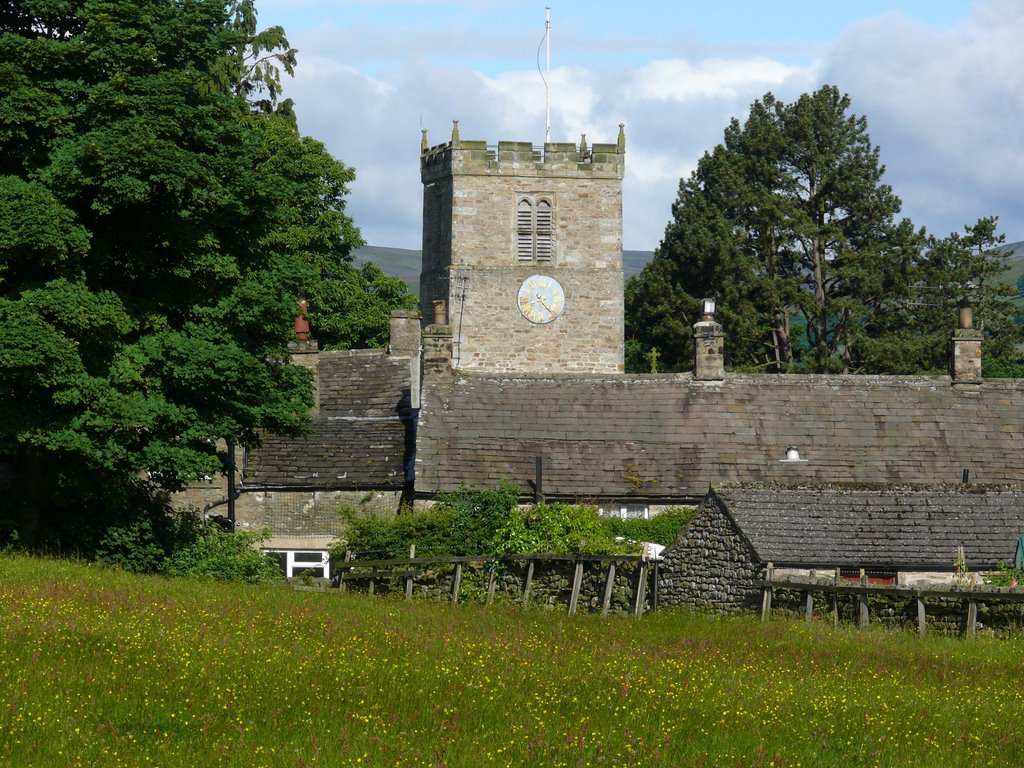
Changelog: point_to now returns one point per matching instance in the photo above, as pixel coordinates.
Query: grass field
(101, 668)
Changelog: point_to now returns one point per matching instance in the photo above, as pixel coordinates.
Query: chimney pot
(966, 319)
(301, 323)
(707, 308)
(440, 312)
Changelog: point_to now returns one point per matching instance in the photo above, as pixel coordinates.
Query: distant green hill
(397, 262)
(405, 262)
(1012, 255)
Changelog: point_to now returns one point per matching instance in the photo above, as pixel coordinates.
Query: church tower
(524, 246)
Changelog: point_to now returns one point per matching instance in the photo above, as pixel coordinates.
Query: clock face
(541, 299)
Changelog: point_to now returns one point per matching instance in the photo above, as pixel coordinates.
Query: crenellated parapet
(522, 158)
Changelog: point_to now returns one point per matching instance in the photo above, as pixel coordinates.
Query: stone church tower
(524, 246)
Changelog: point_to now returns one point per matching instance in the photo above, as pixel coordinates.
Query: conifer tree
(789, 225)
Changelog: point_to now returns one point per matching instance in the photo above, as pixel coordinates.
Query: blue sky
(941, 83)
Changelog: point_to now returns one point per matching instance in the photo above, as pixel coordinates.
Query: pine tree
(789, 225)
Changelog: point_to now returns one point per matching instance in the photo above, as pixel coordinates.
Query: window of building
(534, 229)
(296, 562)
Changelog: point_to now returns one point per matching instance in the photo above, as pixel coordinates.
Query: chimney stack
(405, 333)
(437, 342)
(708, 342)
(965, 348)
(405, 342)
(305, 351)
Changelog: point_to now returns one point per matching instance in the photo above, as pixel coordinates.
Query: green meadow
(104, 668)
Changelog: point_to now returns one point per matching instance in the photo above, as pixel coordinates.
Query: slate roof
(363, 432)
(669, 436)
(882, 527)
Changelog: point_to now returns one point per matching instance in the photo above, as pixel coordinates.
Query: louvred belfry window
(535, 239)
(543, 234)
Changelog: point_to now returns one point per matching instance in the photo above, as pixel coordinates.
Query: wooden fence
(972, 594)
(411, 567)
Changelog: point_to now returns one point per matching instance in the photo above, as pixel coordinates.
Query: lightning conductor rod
(547, 90)
(547, 79)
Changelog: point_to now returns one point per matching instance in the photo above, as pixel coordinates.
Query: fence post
(491, 582)
(408, 579)
(920, 615)
(972, 610)
(809, 603)
(457, 581)
(577, 581)
(528, 583)
(864, 615)
(766, 597)
(654, 587)
(641, 590)
(608, 584)
(835, 598)
(341, 582)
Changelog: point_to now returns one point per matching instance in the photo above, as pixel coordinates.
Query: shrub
(374, 537)
(472, 521)
(477, 515)
(462, 522)
(1005, 576)
(133, 546)
(224, 557)
(563, 528)
(143, 544)
(660, 529)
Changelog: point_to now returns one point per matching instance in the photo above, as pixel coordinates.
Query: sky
(941, 83)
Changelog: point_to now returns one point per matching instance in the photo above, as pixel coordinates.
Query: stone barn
(905, 535)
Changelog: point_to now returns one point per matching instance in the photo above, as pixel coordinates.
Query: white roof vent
(793, 456)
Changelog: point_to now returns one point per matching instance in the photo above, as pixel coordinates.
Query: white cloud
(946, 106)
(681, 80)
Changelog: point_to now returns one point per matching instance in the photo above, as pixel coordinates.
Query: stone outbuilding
(898, 534)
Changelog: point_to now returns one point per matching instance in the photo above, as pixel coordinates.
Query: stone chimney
(708, 340)
(437, 343)
(405, 342)
(405, 333)
(965, 349)
(306, 352)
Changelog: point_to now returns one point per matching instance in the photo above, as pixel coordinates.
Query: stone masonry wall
(469, 257)
(943, 615)
(551, 586)
(437, 244)
(709, 566)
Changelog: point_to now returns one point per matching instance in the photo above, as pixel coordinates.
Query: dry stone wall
(709, 566)
(943, 615)
(551, 585)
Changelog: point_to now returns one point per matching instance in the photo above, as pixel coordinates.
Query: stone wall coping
(808, 380)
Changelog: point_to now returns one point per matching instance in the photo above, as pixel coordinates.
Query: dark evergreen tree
(789, 226)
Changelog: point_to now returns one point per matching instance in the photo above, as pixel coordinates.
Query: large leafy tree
(789, 226)
(350, 306)
(155, 229)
